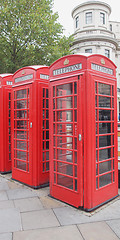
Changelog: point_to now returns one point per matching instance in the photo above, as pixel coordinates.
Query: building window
(88, 17)
(102, 18)
(107, 53)
(76, 22)
(89, 50)
(111, 27)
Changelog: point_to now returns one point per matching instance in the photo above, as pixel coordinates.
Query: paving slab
(115, 226)
(14, 185)
(42, 192)
(10, 220)
(3, 195)
(28, 204)
(6, 204)
(6, 236)
(70, 215)
(39, 219)
(97, 231)
(20, 193)
(59, 233)
(4, 185)
(49, 202)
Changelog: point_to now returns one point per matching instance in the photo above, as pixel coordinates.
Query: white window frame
(102, 18)
(88, 50)
(107, 53)
(88, 17)
(77, 22)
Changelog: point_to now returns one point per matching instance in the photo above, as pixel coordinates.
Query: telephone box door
(67, 172)
(22, 134)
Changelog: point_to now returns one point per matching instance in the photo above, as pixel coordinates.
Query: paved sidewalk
(32, 215)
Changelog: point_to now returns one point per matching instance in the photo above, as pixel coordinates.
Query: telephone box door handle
(80, 137)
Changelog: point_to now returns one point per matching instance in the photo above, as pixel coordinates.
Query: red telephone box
(83, 133)
(5, 122)
(30, 125)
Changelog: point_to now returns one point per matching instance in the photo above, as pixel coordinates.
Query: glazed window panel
(21, 129)
(45, 130)
(104, 104)
(65, 101)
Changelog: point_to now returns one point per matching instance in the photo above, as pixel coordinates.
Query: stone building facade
(95, 33)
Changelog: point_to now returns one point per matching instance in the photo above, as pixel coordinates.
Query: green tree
(30, 34)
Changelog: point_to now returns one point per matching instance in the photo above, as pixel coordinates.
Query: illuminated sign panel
(9, 83)
(24, 78)
(68, 69)
(43, 76)
(101, 69)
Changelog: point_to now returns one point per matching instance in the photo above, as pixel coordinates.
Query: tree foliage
(30, 34)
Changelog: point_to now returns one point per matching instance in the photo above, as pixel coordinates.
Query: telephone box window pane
(65, 89)
(105, 180)
(21, 94)
(43, 103)
(53, 103)
(47, 166)
(22, 104)
(21, 155)
(96, 142)
(75, 88)
(75, 102)
(75, 185)
(65, 181)
(104, 128)
(46, 103)
(47, 124)
(104, 89)
(21, 124)
(104, 167)
(47, 93)
(64, 128)
(75, 115)
(22, 145)
(104, 154)
(47, 156)
(76, 143)
(21, 165)
(104, 115)
(113, 177)
(65, 142)
(21, 135)
(63, 116)
(65, 168)
(104, 102)
(47, 114)
(65, 155)
(75, 157)
(43, 92)
(96, 101)
(22, 114)
(76, 171)
(47, 134)
(96, 169)
(96, 128)
(65, 103)
(104, 141)
(96, 156)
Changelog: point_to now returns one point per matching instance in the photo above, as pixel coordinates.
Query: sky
(65, 7)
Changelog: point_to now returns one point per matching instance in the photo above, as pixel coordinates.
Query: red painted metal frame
(5, 122)
(28, 161)
(89, 194)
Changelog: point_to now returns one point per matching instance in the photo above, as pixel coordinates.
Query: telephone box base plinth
(34, 187)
